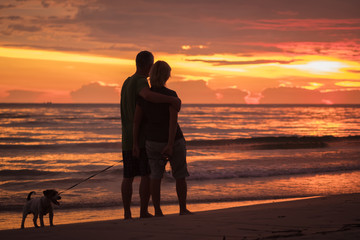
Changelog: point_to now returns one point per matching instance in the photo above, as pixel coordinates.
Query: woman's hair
(159, 74)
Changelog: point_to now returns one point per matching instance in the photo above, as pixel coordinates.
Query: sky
(220, 51)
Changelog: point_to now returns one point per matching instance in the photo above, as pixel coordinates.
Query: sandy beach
(330, 217)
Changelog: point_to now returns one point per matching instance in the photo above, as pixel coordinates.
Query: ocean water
(236, 154)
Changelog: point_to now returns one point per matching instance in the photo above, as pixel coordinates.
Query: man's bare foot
(146, 215)
(185, 212)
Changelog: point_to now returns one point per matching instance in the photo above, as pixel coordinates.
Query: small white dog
(40, 207)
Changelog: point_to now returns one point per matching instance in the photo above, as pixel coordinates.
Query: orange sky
(228, 51)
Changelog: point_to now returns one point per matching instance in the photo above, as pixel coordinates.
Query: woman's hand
(167, 151)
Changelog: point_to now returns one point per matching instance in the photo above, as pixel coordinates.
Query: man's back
(129, 94)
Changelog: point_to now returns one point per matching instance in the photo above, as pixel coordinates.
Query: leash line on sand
(84, 180)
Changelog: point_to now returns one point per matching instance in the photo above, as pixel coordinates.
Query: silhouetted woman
(164, 138)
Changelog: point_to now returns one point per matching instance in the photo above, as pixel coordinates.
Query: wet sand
(331, 217)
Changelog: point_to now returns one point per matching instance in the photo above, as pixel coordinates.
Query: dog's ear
(48, 193)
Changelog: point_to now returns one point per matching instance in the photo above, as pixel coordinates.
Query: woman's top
(156, 118)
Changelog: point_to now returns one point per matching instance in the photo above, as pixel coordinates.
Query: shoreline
(10, 220)
(329, 217)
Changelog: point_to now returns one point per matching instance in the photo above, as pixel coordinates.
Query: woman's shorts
(177, 161)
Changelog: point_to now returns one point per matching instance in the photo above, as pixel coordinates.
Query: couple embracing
(151, 136)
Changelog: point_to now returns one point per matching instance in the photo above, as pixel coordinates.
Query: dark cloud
(260, 61)
(353, 71)
(11, 18)
(44, 47)
(96, 93)
(4, 6)
(302, 24)
(45, 3)
(223, 26)
(235, 9)
(217, 24)
(24, 28)
(288, 13)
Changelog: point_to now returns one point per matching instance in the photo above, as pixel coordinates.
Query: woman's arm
(168, 150)
(136, 130)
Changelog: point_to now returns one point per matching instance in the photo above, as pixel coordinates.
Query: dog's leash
(88, 178)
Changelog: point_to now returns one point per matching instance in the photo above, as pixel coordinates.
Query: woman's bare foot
(146, 215)
(158, 213)
(185, 212)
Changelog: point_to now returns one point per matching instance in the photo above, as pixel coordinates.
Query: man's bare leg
(126, 193)
(144, 192)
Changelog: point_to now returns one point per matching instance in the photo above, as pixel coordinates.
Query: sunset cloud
(34, 96)
(23, 96)
(221, 26)
(254, 45)
(286, 95)
(230, 95)
(260, 61)
(96, 92)
(343, 97)
(345, 49)
(313, 86)
(348, 84)
(190, 92)
(193, 91)
(319, 67)
(199, 92)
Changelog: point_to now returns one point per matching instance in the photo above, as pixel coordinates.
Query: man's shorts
(135, 166)
(177, 161)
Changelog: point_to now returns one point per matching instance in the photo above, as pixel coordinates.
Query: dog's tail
(29, 196)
